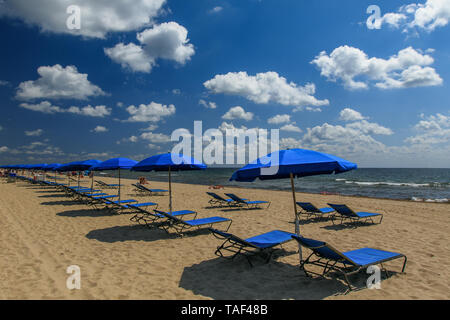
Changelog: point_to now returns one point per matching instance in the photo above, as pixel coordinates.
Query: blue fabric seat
(309, 210)
(348, 215)
(262, 244)
(346, 263)
(250, 204)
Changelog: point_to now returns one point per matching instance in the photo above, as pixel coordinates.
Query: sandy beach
(43, 232)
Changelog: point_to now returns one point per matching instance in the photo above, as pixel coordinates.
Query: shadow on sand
(86, 213)
(236, 280)
(138, 233)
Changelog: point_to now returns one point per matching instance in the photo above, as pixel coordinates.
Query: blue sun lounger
(344, 263)
(179, 226)
(218, 200)
(155, 218)
(249, 204)
(263, 244)
(106, 185)
(308, 210)
(141, 190)
(347, 214)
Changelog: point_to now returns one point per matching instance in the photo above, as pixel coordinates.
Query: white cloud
(237, 113)
(216, 9)
(279, 118)
(408, 68)
(47, 107)
(155, 138)
(130, 56)
(4, 149)
(44, 107)
(291, 127)
(98, 18)
(207, 104)
(34, 133)
(176, 91)
(164, 41)
(434, 129)
(422, 16)
(152, 112)
(98, 111)
(4, 83)
(348, 114)
(264, 88)
(99, 129)
(57, 82)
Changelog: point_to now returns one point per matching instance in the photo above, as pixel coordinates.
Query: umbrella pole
(79, 173)
(170, 193)
(92, 181)
(119, 185)
(297, 225)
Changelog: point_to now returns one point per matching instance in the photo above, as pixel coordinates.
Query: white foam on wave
(385, 183)
(444, 200)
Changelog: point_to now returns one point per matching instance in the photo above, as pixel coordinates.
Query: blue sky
(315, 70)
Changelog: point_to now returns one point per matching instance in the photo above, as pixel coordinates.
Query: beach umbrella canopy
(78, 166)
(52, 167)
(114, 164)
(289, 164)
(169, 162)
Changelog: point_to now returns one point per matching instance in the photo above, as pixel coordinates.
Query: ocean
(430, 185)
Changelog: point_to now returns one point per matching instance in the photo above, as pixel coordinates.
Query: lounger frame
(179, 226)
(313, 211)
(352, 216)
(343, 266)
(237, 246)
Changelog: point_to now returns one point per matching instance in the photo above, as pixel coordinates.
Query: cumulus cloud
(237, 113)
(207, 104)
(58, 82)
(422, 16)
(279, 119)
(291, 127)
(155, 138)
(264, 88)
(348, 114)
(4, 83)
(352, 66)
(164, 41)
(98, 111)
(47, 107)
(153, 112)
(433, 129)
(4, 149)
(98, 18)
(34, 133)
(99, 129)
(355, 138)
(44, 107)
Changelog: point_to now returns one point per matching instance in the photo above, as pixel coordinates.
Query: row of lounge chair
(323, 255)
(234, 201)
(337, 212)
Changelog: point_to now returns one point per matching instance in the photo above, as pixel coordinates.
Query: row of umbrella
(288, 164)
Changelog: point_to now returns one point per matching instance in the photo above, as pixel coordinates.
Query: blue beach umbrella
(289, 164)
(78, 166)
(52, 167)
(169, 162)
(114, 164)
